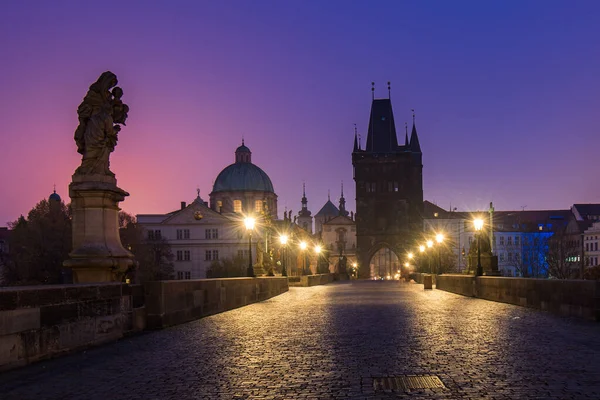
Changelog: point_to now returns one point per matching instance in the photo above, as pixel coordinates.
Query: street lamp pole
(439, 238)
(430, 245)
(478, 227)
(303, 246)
(249, 221)
(283, 240)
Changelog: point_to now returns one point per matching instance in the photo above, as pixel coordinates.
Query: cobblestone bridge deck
(330, 342)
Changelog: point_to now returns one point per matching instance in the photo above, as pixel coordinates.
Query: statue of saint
(100, 115)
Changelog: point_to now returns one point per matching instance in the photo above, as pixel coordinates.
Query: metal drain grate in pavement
(406, 383)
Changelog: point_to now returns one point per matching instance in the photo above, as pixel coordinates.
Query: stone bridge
(352, 340)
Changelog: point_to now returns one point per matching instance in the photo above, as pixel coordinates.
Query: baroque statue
(100, 115)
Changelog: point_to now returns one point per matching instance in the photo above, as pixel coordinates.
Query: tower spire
(415, 147)
(342, 208)
(406, 134)
(389, 91)
(356, 148)
(372, 90)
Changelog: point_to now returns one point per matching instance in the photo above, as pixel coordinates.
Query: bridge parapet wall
(174, 302)
(578, 298)
(310, 280)
(38, 322)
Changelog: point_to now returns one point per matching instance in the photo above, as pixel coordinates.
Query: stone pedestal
(98, 255)
(489, 263)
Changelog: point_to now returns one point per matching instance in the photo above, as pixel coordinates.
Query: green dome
(243, 176)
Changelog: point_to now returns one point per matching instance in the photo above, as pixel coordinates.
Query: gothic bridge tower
(389, 194)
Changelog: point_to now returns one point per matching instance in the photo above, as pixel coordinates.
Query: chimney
(182, 205)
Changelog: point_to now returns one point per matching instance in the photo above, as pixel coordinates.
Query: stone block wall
(38, 322)
(577, 298)
(310, 280)
(174, 302)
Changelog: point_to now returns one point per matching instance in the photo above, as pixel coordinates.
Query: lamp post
(318, 251)
(303, 247)
(429, 245)
(283, 240)
(439, 238)
(478, 223)
(249, 222)
(354, 269)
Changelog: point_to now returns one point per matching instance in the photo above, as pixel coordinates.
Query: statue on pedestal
(98, 255)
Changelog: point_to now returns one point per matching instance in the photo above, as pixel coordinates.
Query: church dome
(243, 175)
(54, 197)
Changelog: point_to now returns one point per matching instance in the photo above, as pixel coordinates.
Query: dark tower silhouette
(389, 188)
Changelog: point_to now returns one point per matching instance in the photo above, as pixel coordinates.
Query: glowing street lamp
(430, 243)
(250, 222)
(478, 224)
(421, 248)
(410, 256)
(283, 239)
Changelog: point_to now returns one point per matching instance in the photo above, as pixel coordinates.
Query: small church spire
(389, 91)
(328, 195)
(372, 90)
(356, 148)
(406, 134)
(342, 207)
(415, 147)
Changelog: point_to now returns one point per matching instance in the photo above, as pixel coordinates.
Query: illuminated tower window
(237, 206)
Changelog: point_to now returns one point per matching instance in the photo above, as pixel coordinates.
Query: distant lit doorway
(384, 264)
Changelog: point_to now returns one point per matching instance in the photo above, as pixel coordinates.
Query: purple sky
(507, 96)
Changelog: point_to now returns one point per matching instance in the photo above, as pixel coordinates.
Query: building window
(587, 247)
(154, 234)
(596, 246)
(390, 186)
(371, 187)
(208, 255)
(215, 254)
(501, 240)
(179, 275)
(243, 254)
(179, 255)
(186, 255)
(510, 256)
(188, 275)
(219, 205)
(183, 234)
(517, 255)
(237, 206)
(395, 186)
(501, 257)
(516, 240)
(509, 241)
(211, 233)
(258, 206)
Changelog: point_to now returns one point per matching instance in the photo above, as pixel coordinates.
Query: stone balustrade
(174, 302)
(38, 322)
(576, 298)
(310, 280)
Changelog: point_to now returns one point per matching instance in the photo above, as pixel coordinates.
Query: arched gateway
(389, 193)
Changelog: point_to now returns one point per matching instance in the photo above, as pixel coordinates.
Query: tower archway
(384, 264)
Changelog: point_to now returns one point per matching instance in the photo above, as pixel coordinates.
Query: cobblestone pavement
(329, 342)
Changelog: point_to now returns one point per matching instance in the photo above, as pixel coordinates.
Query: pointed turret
(381, 137)
(415, 147)
(355, 142)
(406, 143)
